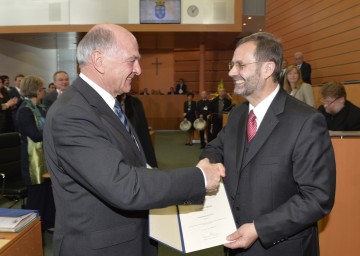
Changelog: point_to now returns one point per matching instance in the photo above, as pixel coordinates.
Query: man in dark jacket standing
(218, 106)
(277, 196)
(203, 110)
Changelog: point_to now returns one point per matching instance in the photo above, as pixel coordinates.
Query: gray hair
(98, 38)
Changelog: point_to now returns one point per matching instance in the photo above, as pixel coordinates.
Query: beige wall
(327, 32)
(61, 12)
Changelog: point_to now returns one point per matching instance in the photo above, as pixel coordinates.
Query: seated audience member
(30, 121)
(181, 87)
(171, 91)
(340, 114)
(61, 81)
(145, 92)
(158, 92)
(296, 87)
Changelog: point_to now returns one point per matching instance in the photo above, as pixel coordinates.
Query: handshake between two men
(213, 174)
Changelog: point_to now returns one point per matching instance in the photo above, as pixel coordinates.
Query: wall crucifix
(157, 63)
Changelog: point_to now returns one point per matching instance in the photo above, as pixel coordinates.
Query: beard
(249, 85)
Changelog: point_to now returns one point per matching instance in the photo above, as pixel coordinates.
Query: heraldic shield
(160, 11)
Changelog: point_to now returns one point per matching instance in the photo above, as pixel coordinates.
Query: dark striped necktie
(121, 115)
(123, 119)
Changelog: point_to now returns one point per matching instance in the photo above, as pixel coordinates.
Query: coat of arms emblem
(160, 9)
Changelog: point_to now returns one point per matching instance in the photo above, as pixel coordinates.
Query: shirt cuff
(204, 176)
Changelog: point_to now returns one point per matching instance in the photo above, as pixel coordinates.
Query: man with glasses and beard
(279, 159)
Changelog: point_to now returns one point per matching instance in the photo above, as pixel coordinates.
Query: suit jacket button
(237, 208)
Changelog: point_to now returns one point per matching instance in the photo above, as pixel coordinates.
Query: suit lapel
(106, 114)
(241, 136)
(266, 128)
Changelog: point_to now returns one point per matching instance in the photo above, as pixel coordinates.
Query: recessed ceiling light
(249, 18)
(244, 24)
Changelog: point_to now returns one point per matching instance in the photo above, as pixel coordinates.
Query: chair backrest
(10, 155)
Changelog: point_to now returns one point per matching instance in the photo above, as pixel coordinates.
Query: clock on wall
(193, 10)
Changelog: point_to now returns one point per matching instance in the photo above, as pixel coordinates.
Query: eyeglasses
(239, 66)
(327, 102)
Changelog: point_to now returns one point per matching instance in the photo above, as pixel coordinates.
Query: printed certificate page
(207, 225)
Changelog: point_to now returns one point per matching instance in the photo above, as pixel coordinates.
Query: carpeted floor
(171, 152)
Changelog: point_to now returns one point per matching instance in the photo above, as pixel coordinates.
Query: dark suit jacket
(134, 111)
(50, 98)
(190, 111)
(214, 105)
(178, 88)
(306, 72)
(102, 189)
(284, 180)
(347, 119)
(15, 93)
(203, 108)
(27, 128)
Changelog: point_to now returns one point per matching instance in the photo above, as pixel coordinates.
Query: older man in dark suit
(303, 66)
(279, 159)
(102, 186)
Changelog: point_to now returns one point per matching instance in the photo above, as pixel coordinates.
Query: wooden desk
(339, 231)
(163, 112)
(27, 242)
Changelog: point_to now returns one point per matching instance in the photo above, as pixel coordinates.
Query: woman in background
(190, 115)
(296, 87)
(30, 121)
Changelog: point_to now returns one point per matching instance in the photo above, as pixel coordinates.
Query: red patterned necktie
(251, 126)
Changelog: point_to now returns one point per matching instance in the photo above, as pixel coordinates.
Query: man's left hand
(244, 237)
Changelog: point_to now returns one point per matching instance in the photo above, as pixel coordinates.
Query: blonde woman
(296, 87)
(30, 122)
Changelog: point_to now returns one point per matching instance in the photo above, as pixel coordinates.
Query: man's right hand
(213, 174)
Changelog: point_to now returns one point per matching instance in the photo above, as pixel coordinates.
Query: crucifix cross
(157, 63)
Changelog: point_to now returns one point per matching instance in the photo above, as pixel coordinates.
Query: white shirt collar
(106, 96)
(261, 108)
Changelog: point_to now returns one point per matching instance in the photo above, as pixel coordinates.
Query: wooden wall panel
(299, 15)
(326, 31)
(187, 67)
